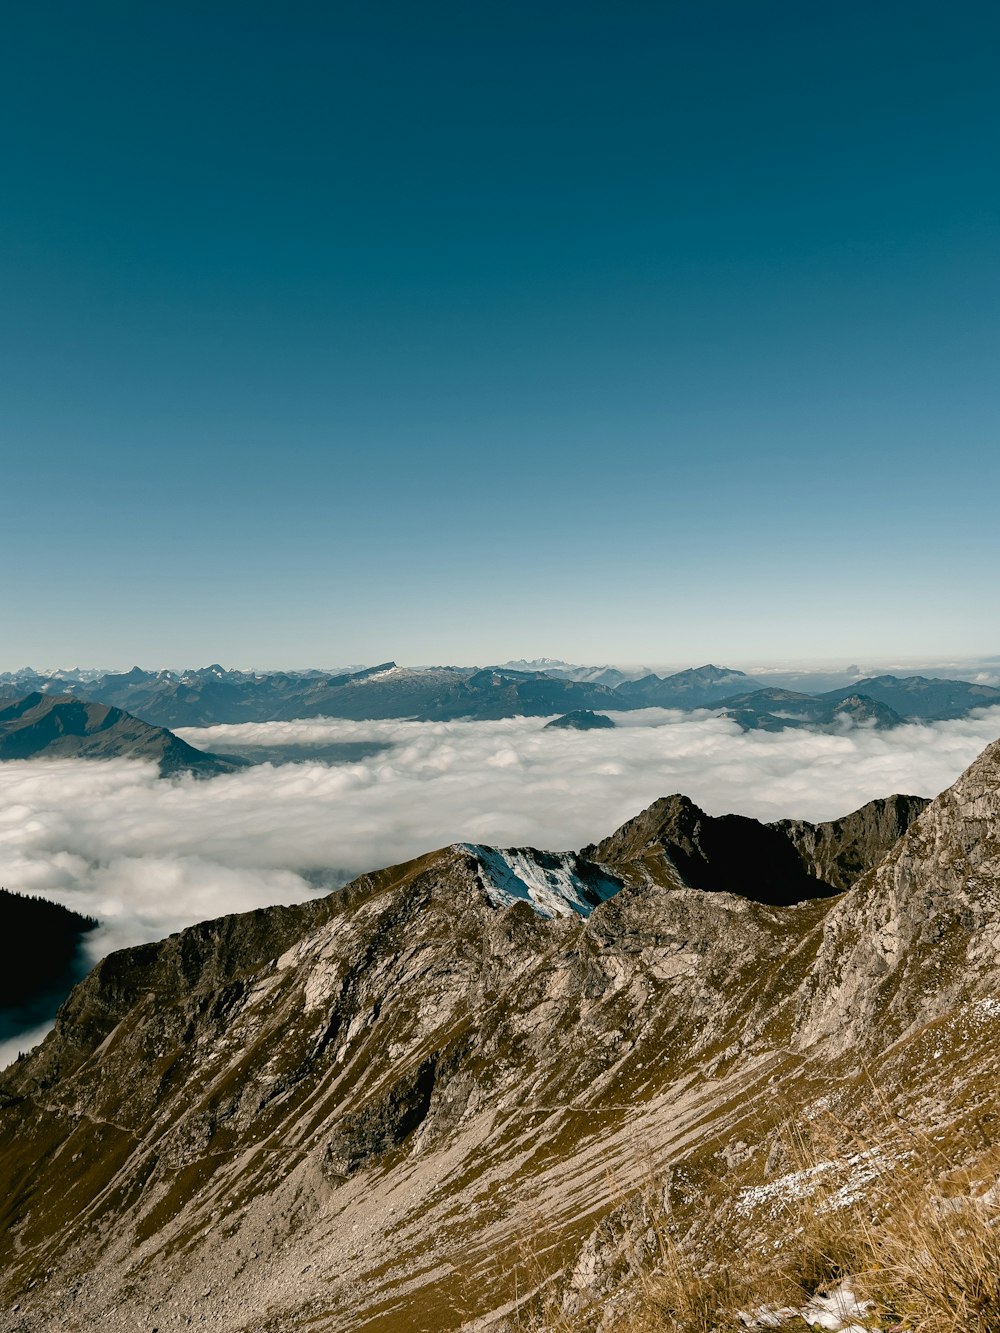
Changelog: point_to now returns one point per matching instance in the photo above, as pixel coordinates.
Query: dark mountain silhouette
(676, 843)
(581, 719)
(40, 945)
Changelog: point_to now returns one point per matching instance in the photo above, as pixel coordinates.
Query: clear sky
(460, 331)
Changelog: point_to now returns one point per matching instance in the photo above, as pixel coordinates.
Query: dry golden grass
(537, 1303)
(935, 1267)
(886, 1212)
(679, 1298)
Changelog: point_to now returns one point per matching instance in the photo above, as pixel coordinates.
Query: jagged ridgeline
(443, 1097)
(213, 695)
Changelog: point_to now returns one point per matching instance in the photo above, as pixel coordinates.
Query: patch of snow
(548, 882)
(368, 677)
(539, 664)
(838, 1310)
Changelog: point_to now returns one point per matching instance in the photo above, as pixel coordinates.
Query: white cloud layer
(149, 856)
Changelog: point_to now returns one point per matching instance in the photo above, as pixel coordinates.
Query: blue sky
(646, 332)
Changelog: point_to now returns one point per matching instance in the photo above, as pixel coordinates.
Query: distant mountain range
(62, 727)
(881, 701)
(589, 675)
(700, 687)
(778, 710)
(213, 695)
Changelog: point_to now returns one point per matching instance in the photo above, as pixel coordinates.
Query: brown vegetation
(918, 1242)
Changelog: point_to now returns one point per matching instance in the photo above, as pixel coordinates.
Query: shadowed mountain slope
(360, 1112)
(60, 727)
(674, 842)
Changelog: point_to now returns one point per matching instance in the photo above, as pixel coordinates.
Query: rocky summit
(439, 1098)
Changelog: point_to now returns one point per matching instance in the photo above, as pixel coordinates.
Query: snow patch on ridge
(550, 882)
(378, 673)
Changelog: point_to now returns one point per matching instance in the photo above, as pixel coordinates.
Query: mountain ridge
(342, 1113)
(63, 726)
(213, 695)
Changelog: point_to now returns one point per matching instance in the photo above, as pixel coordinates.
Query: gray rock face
(366, 1111)
(921, 932)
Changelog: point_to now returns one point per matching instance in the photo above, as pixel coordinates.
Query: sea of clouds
(148, 856)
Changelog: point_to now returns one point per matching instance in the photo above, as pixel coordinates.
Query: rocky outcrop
(919, 934)
(419, 1102)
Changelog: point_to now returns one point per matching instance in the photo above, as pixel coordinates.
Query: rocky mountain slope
(439, 1096)
(62, 727)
